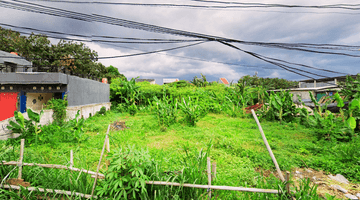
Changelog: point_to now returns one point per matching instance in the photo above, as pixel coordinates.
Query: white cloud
(255, 24)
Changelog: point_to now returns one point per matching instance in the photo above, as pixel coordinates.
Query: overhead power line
(31, 7)
(112, 44)
(232, 5)
(198, 59)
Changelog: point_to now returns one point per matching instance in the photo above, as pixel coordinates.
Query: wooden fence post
(71, 158)
(268, 147)
(21, 157)
(287, 177)
(209, 175)
(108, 151)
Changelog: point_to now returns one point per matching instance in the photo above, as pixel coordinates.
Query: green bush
(132, 109)
(192, 110)
(59, 110)
(102, 110)
(165, 111)
(127, 173)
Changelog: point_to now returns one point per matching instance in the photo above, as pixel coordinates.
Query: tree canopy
(267, 83)
(65, 56)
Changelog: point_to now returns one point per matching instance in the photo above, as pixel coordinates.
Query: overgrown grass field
(235, 144)
(172, 129)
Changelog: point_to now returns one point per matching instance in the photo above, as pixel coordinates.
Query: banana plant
(280, 106)
(26, 127)
(353, 106)
(193, 110)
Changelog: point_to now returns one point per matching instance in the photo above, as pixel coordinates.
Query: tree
(267, 83)
(200, 82)
(70, 56)
(112, 73)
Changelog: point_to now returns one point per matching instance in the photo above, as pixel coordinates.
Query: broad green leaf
(340, 102)
(313, 99)
(354, 104)
(33, 115)
(352, 122)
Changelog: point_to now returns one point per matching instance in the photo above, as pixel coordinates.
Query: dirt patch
(320, 178)
(118, 125)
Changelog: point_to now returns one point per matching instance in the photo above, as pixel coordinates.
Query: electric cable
(237, 5)
(126, 23)
(196, 59)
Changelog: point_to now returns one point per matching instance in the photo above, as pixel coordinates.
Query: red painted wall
(8, 102)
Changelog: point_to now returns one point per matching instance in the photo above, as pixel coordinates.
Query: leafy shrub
(123, 91)
(132, 109)
(102, 110)
(127, 173)
(193, 110)
(59, 110)
(165, 111)
(121, 108)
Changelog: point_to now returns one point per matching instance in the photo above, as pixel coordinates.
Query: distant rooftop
(225, 81)
(144, 79)
(13, 58)
(170, 80)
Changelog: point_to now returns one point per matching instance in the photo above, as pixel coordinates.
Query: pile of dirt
(118, 125)
(326, 185)
(253, 107)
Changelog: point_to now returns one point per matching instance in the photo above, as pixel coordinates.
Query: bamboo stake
(71, 163)
(14, 187)
(71, 158)
(53, 166)
(98, 167)
(213, 171)
(21, 157)
(287, 182)
(214, 187)
(108, 151)
(268, 146)
(209, 175)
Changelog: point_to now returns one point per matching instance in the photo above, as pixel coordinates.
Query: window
(8, 67)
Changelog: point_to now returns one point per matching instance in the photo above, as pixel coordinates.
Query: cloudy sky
(213, 59)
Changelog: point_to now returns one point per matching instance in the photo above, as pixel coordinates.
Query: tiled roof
(224, 81)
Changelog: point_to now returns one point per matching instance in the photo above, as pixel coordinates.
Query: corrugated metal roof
(8, 57)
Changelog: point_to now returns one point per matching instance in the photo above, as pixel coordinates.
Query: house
(21, 89)
(331, 81)
(224, 81)
(11, 62)
(317, 92)
(320, 89)
(151, 81)
(169, 80)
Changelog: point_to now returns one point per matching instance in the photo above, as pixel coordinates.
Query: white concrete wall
(85, 111)
(303, 94)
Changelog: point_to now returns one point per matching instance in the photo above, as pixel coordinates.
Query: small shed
(317, 92)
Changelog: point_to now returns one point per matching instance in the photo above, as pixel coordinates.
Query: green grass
(236, 147)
